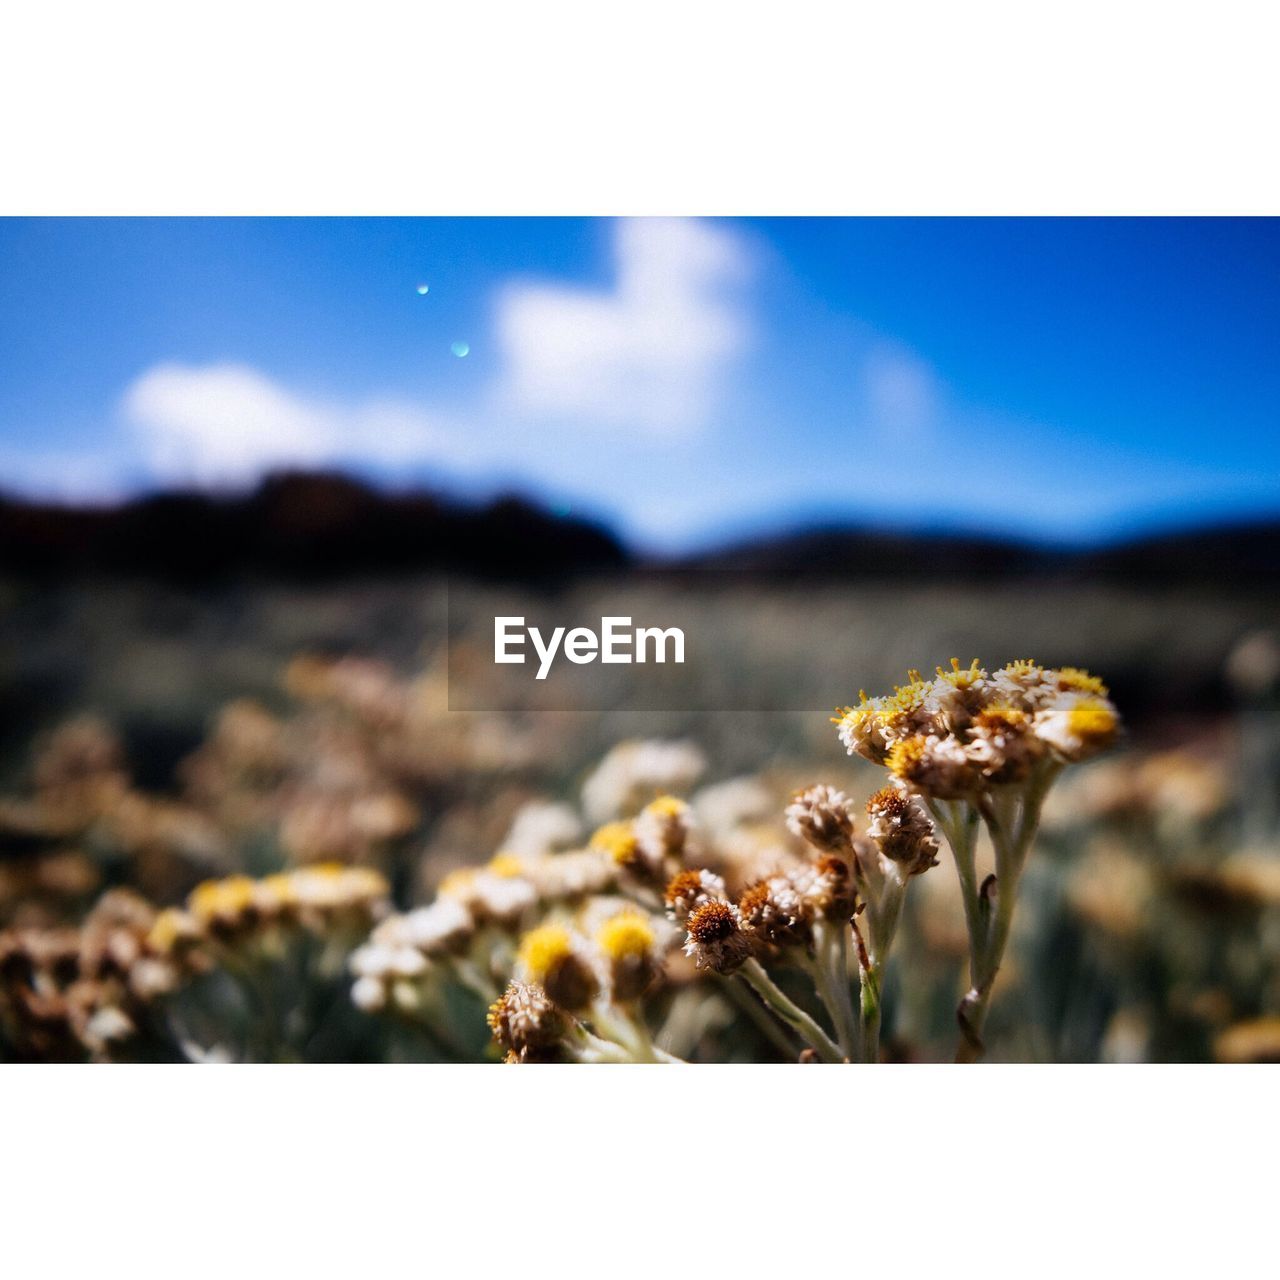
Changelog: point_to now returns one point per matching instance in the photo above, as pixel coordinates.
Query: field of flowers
(247, 825)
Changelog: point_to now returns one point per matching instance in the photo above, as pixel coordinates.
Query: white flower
(573, 875)
(109, 1024)
(368, 994)
(503, 899)
(407, 962)
(1077, 725)
(728, 805)
(439, 927)
(633, 772)
(541, 827)
(373, 960)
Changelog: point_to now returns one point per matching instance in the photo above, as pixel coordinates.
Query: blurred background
(265, 483)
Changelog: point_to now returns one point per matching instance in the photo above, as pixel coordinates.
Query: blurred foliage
(155, 738)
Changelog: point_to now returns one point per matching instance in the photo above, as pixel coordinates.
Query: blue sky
(686, 381)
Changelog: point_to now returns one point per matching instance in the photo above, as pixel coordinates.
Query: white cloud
(226, 424)
(652, 352)
(904, 396)
(650, 355)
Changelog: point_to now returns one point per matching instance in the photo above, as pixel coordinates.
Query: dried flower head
(902, 830)
(113, 935)
(861, 730)
(540, 828)
(687, 890)
(827, 888)
(491, 899)
(773, 912)
(1000, 742)
(634, 771)
(716, 939)
(528, 1024)
(224, 907)
(566, 877)
(823, 816)
(175, 933)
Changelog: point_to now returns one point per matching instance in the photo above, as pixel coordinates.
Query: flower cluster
(469, 933)
(649, 922)
(87, 992)
(980, 747)
(577, 952)
(572, 930)
(804, 915)
(965, 730)
(244, 914)
(575, 994)
(103, 989)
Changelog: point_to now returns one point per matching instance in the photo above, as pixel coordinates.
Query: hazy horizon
(777, 526)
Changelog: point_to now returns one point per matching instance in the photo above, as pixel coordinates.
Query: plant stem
(959, 823)
(830, 971)
(869, 1005)
(627, 1028)
(789, 1012)
(871, 1017)
(1012, 828)
(760, 1016)
(586, 1046)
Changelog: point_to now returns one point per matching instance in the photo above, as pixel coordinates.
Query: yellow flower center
(905, 756)
(666, 807)
(1022, 668)
(617, 840)
(221, 897)
(1080, 680)
(169, 926)
(1092, 720)
(506, 866)
(542, 949)
(457, 883)
(625, 935)
(962, 677)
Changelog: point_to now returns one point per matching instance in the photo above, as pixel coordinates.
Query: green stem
(760, 1016)
(869, 972)
(1012, 829)
(958, 821)
(629, 1030)
(470, 976)
(871, 1016)
(790, 1013)
(830, 971)
(585, 1046)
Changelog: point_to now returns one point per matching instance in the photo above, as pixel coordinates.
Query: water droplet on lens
(460, 349)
